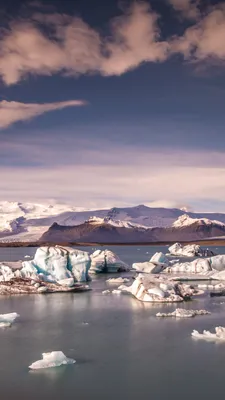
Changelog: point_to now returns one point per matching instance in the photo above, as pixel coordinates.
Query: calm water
(122, 350)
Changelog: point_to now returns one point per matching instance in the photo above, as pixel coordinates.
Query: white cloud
(75, 48)
(204, 40)
(13, 111)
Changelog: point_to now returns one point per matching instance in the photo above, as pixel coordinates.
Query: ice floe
(7, 320)
(183, 313)
(190, 250)
(106, 261)
(117, 280)
(106, 291)
(218, 335)
(53, 359)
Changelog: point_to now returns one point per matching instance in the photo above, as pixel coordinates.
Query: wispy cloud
(90, 176)
(13, 111)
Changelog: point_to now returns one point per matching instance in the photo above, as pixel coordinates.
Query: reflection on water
(122, 350)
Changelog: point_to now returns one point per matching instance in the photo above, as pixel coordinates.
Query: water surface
(122, 350)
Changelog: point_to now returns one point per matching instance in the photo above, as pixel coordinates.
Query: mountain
(106, 231)
(28, 221)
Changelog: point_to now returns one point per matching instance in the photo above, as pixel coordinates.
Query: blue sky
(149, 123)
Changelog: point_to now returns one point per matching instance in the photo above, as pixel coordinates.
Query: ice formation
(53, 359)
(56, 264)
(7, 320)
(106, 291)
(154, 266)
(190, 250)
(201, 268)
(118, 280)
(106, 261)
(157, 290)
(218, 335)
(183, 313)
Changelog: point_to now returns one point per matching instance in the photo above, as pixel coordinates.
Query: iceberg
(106, 261)
(117, 280)
(53, 359)
(155, 265)
(182, 313)
(218, 335)
(7, 320)
(158, 290)
(190, 250)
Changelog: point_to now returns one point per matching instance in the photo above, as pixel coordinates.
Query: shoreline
(204, 242)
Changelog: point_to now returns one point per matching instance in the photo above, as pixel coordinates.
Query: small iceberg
(117, 280)
(190, 250)
(218, 335)
(51, 360)
(108, 262)
(182, 313)
(6, 320)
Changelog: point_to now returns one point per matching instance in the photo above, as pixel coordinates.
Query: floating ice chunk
(182, 313)
(160, 259)
(7, 320)
(107, 261)
(106, 292)
(148, 289)
(5, 324)
(26, 256)
(53, 359)
(218, 335)
(117, 280)
(190, 250)
(116, 291)
(147, 267)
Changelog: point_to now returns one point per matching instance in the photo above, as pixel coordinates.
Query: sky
(107, 103)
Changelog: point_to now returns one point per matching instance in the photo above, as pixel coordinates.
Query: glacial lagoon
(122, 350)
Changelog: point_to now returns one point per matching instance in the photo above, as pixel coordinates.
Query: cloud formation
(72, 47)
(103, 176)
(204, 40)
(12, 111)
(188, 8)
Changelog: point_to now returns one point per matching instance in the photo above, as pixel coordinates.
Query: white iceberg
(190, 250)
(157, 290)
(7, 320)
(53, 359)
(182, 313)
(107, 261)
(218, 335)
(106, 291)
(155, 265)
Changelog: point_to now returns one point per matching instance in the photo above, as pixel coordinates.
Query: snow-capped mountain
(28, 221)
(185, 220)
(102, 230)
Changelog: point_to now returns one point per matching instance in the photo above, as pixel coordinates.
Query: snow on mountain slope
(185, 220)
(28, 221)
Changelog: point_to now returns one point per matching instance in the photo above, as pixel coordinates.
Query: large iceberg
(218, 335)
(158, 290)
(183, 313)
(55, 264)
(107, 261)
(190, 250)
(53, 359)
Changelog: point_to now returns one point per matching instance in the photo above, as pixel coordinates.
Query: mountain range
(32, 222)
